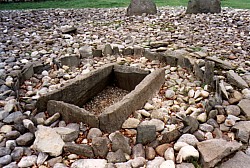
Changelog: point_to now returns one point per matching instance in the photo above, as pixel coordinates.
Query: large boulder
(138, 7)
(203, 6)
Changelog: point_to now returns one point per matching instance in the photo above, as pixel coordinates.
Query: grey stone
(145, 134)
(100, 146)
(116, 157)
(67, 134)
(170, 136)
(48, 141)
(191, 124)
(25, 139)
(208, 77)
(119, 141)
(12, 116)
(94, 163)
(79, 149)
(27, 161)
(12, 135)
(4, 160)
(236, 80)
(107, 50)
(68, 29)
(138, 151)
(70, 61)
(94, 132)
(206, 127)
(189, 139)
(214, 150)
(242, 125)
(233, 110)
(204, 6)
(159, 125)
(17, 153)
(238, 160)
(53, 161)
(11, 165)
(221, 63)
(244, 105)
(139, 7)
(247, 79)
(185, 165)
(97, 53)
(41, 158)
(242, 136)
(123, 165)
(128, 51)
(213, 123)
(52, 119)
(11, 144)
(85, 51)
(4, 151)
(3, 114)
(27, 72)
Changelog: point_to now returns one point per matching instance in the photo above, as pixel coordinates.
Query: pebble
(27, 161)
(148, 107)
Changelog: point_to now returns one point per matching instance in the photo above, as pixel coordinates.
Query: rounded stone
(169, 94)
(94, 132)
(233, 110)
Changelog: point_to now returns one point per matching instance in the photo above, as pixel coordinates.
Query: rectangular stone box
(69, 99)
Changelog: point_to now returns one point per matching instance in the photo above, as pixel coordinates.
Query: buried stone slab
(140, 83)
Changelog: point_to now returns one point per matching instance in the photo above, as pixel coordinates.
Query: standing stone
(70, 61)
(209, 74)
(203, 6)
(139, 7)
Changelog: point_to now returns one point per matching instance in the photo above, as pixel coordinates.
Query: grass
(243, 4)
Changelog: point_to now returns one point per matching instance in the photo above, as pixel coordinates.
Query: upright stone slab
(203, 6)
(139, 7)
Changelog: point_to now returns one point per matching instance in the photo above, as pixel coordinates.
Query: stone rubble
(187, 118)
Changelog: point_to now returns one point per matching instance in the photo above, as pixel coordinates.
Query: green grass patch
(243, 4)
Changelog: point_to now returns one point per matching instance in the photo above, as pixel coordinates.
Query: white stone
(45, 73)
(179, 145)
(186, 152)
(191, 93)
(169, 154)
(9, 106)
(27, 161)
(48, 141)
(202, 117)
(148, 106)
(168, 164)
(89, 163)
(204, 94)
(169, 94)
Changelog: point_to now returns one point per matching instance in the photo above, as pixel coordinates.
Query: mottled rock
(119, 141)
(79, 149)
(240, 159)
(94, 132)
(213, 150)
(244, 105)
(116, 157)
(48, 141)
(236, 80)
(189, 139)
(27, 161)
(25, 139)
(67, 134)
(138, 151)
(100, 146)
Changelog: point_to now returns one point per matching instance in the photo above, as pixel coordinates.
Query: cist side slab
(141, 84)
(113, 117)
(78, 91)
